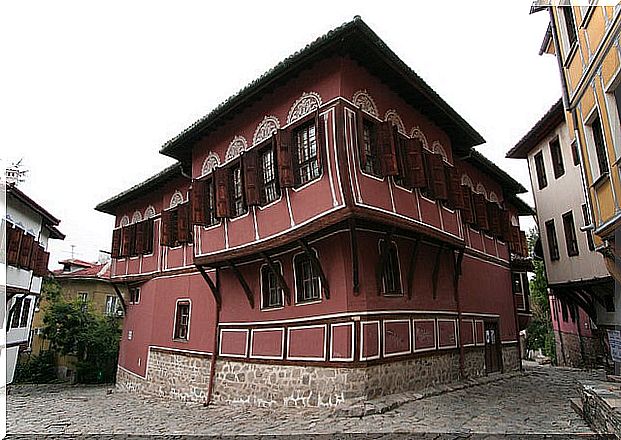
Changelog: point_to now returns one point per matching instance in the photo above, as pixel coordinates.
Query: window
(368, 155)
(541, 170)
(110, 305)
(83, 300)
(269, 186)
(306, 279)
(238, 207)
(134, 295)
(401, 179)
(21, 311)
(305, 148)
(570, 26)
(575, 154)
(210, 204)
(609, 303)
(552, 241)
(23, 321)
(599, 147)
(182, 320)
(391, 274)
(570, 234)
(557, 158)
(517, 282)
(272, 294)
(587, 222)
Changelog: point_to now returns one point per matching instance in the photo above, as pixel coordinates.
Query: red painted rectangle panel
(397, 337)
(307, 343)
(478, 332)
(234, 342)
(429, 212)
(241, 230)
(212, 238)
(467, 332)
(490, 245)
(424, 334)
(450, 221)
(476, 240)
(267, 343)
(369, 334)
(446, 333)
(342, 338)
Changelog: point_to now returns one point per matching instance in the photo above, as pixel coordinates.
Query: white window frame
(591, 148)
(384, 293)
(295, 282)
(189, 302)
(114, 302)
(130, 295)
(282, 293)
(614, 118)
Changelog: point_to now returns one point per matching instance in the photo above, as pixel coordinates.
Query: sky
(92, 90)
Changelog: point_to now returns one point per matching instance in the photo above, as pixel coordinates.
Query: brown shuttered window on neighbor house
(25, 250)
(221, 179)
(115, 252)
(439, 178)
(480, 211)
(139, 238)
(197, 202)
(493, 218)
(367, 145)
(147, 240)
(251, 177)
(184, 227)
(14, 237)
(455, 198)
(284, 158)
(165, 226)
(387, 149)
(467, 213)
(415, 163)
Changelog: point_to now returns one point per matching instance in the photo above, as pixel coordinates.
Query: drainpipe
(462, 354)
(517, 321)
(212, 365)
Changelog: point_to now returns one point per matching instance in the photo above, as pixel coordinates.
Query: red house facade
(327, 234)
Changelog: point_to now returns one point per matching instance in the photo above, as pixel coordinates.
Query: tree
(539, 333)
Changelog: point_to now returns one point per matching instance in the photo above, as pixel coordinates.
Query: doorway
(493, 354)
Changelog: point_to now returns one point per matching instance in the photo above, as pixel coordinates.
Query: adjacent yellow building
(585, 40)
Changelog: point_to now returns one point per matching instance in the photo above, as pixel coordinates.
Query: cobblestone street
(537, 402)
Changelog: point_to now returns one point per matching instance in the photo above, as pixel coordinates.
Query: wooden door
(493, 356)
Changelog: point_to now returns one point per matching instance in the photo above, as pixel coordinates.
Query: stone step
(576, 405)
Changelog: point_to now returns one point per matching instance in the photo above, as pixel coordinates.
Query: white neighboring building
(26, 229)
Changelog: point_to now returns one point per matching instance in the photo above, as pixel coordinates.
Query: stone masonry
(569, 353)
(510, 358)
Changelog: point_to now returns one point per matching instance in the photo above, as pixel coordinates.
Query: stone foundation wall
(511, 359)
(572, 352)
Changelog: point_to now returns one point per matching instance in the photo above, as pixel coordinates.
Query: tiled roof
(101, 271)
(49, 221)
(76, 262)
(508, 183)
(548, 122)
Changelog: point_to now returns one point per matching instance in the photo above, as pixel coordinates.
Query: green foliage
(36, 368)
(92, 339)
(540, 334)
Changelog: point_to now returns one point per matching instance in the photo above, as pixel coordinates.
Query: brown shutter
(14, 237)
(43, 260)
(251, 177)
(439, 177)
(523, 244)
(25, 250)
(132, 239)
(387, 151)
(467, 213)
(493, 218)
(284, 157)
(116, 243)
(505, 224)
(184, 231)
(415, 163)
(455, 188)
(139, 239)
(480, 211)
(515, 238)
(165, 228)
(34, 255)
(221, 179)
(197, 201)
(320, 137)
(360, 132)
(147, 240)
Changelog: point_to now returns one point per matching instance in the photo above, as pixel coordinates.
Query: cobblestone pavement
(533, 403)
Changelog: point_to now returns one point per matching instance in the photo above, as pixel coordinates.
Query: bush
(36, 368)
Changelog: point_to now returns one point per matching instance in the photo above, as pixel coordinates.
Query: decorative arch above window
(211, 162)
(176, 199)
(124, 220)
(467, 181)
(493, 197)
(305, 104)
(481, 189)
(237, 145)
(137, 217)
(393, 117)
(437, 147)
(269, 125)
(514, 221)
(149, 212)
(363, 99)
(417, 133)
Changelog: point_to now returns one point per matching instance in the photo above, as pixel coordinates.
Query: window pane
(541, 171)
(557, 158)
(570, 234)
(600, 146)
(306, 154)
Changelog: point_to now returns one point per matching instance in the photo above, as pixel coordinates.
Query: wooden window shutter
(523, 244)
(467, 213)
(493, 217)
(34, 254)
(40, 264)
(25, 250)
(454, 186)
(147, 240)
(480, 211)
(139, 240)
(360, 133)
(197, 202)
(415, 163)
(221, 179)
(320, 136)
(184, 230)
(505, 224)
(14, 236)
(284, 157)
(131, 229)
(116, 243)
(251, 177)
(125, 241)
(165, 227)
(439, 178)
(515, 238)
(387, 151)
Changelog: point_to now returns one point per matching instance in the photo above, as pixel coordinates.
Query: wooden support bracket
(215, 288)
(317, 266)
(412, 268)
(120, 296)
(279, 278)
(381, 266)
(243, 283)
(436, 271)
